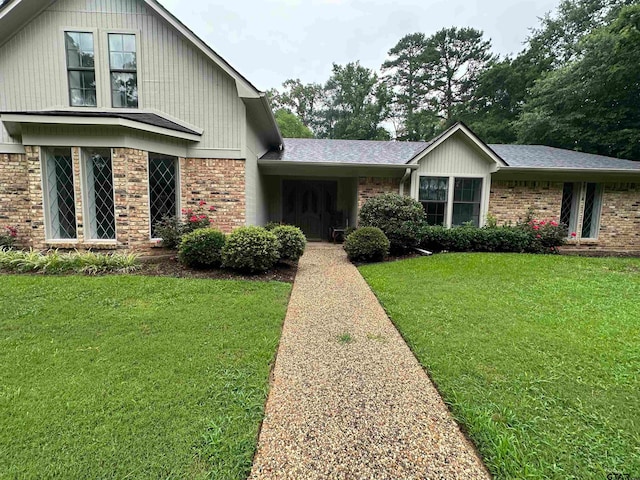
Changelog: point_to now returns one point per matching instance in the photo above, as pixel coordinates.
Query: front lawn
(537, 356)
(134, 377)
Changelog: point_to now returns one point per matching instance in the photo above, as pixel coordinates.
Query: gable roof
(14, 14)
(393, 153)
(541, 157)
(358, 152)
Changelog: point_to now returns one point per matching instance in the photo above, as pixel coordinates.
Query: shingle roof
(142, 117)
(311, 150)
(540, 156)
(314, 150)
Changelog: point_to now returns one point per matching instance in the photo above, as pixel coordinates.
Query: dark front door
(310, 205)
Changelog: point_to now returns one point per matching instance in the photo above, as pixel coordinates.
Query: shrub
(78, 262)
(399, 217)
(8, 236)
(515, 239)
(271, 225)
(367, 244)
(202, 248)
(292, 241)
(171, 229)
(252, 249)
(348, 231)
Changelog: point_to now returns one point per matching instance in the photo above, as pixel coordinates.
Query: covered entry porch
(319, 198)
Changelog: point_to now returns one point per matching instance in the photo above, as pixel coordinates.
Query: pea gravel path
(359, 409)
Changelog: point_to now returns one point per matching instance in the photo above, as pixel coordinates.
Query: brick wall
(619, 221)
(510, 201)
(219, 182)
(15, 204)
(369, 187)
(620, 217)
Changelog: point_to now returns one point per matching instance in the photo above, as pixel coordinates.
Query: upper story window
(124, 73)
(81, 69)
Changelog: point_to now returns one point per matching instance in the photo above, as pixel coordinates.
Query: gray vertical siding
(173, 76)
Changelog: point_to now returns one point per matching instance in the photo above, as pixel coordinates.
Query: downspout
(406, 175)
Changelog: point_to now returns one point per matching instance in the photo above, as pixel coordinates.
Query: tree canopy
(575, 84)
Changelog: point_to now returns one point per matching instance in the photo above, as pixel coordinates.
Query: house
(113, 114)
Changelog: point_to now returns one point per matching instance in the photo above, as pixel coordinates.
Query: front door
(310, 205)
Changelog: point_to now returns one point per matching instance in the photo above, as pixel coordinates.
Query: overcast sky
(269, 41)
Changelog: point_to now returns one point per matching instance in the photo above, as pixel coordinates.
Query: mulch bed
(170, 267)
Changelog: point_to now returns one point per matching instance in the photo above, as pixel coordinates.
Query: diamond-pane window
(591, 215)
(162, 189)
(569, 207)
(99, 195)
(60, 200)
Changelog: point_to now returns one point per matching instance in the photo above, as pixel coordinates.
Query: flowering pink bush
(547, 235)
(8, 236)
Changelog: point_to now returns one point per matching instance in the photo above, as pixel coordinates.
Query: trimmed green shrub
(202, 248)
(514, 239)
(78, 262)
(170, 229)
(271, 225)
(348, 231)
(252, 249)
(367, 244)
(292, 241)
(399, 217)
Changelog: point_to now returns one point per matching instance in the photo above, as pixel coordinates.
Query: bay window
(59, 197)
(100, 221)
(163, 188)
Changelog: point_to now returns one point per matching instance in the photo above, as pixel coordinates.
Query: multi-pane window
(60, 213)
(433, 194)
(592, 207)
(467, 194)
(571, 208)
(100, 219)
(81, 69)
(123, 65)
(163, 188)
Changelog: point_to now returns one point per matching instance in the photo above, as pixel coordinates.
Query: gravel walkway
(348, 398)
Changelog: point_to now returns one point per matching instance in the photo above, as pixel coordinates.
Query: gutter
(335, 164)
(406, 175)
(568, 170)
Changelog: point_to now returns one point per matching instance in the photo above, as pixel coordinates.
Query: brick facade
(219, 182)
(510, 201)
(15, 204)
(369, 187)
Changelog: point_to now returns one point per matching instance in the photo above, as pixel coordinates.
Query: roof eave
(616, 171)
(13, 123)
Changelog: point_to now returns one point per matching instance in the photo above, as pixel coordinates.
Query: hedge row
(252, 249)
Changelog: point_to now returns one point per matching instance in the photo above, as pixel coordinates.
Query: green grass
(134, 377)
(537, 356)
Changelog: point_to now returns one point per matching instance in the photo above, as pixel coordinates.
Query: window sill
(582, 241)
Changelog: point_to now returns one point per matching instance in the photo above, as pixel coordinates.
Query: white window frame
(106, 67)
(484, 194)
(178, 191)
(86, 218)
(48, 227)
(597, 209)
